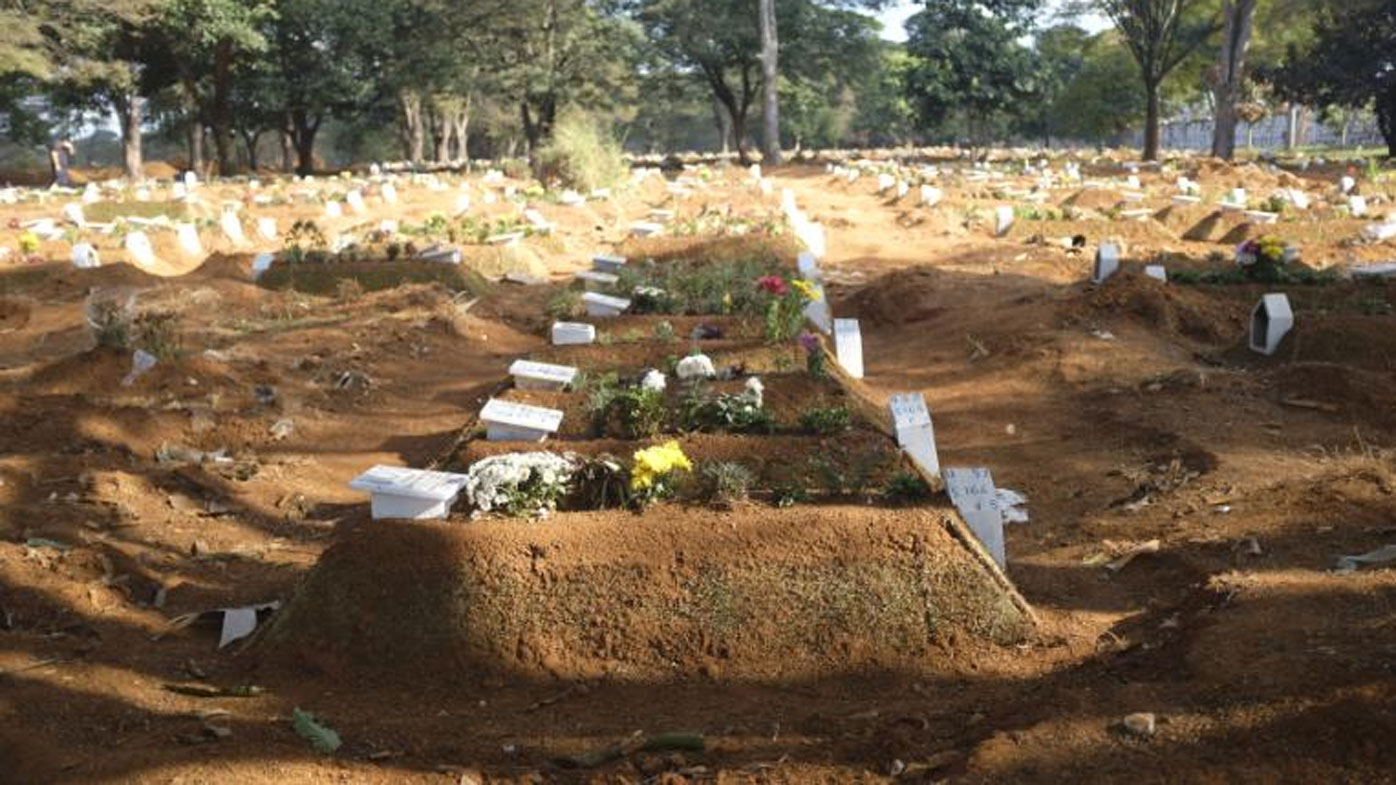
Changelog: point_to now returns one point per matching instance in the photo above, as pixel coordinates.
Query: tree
(1350, 63)
(884, 113)
(1160, 34)
(1100, 103)
(1227, 80)
(770, 78)
(969, 61)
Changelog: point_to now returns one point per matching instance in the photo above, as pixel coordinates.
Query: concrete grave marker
(85, 256)
(439, 253)
(974, 495)
(1357, 205)
(818, 311)
(74, 215)
(931, 196)
(848, 345)
(903, 188)
(333, 210)
(596, 281)
(191, 181)
(604, 263)
(389, 193)
(915, 433)
(1184, 200)
(232, 228)
(388, 226)
(189, 242)
(1157, 271)
(261, 264)
(601, 305)
(573, 334)
(266, 227)
(1107, 263)
(537, 221)
(409, 494)
(1003, 220)
(138, 246)
(885, 182)
(1262, 217)
(530, 375)
(808, 265)
(1347, 184)
(506, 421)
(646, 228)
(1271, 321)
(355, 200)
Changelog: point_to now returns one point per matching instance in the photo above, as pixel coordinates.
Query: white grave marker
(232, 229)
(85, 256)
(931, 196)
(1003, 220)
(915, 433)
(1357, 205)
(333, 210)
(1271, 321)
(529, 375)
(1347, 184)
(974, 495)
(355, 199)
(594, 281)
(138, 246)
(601, 305)
(1157, 271)
(73, 213)
(189, 239)
(848, 345)
(389, 193)
(808, 265)
(409, 494)
(573, 334)
(506, 421)
(261, 264)
(1107, 263)
(604, 263)
(266, 227)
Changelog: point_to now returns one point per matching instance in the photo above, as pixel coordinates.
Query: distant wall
(1272, 133)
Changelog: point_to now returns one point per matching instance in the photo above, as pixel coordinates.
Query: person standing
(60, 161)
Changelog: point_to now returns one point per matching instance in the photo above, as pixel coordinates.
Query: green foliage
(723, 484)
(564, 305)
(581, 154)
(157, 332)
(111, 322)
(322, 738)
(905, 488)
(826, 421)
(639, 413)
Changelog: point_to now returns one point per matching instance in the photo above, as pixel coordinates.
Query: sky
(896, 15)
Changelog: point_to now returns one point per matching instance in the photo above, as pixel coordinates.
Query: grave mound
(1164, 308)
(325, 277)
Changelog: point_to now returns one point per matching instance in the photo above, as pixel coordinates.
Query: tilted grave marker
(974, 495)
(1271, 321)
(1107, 263)
(189, 241)
(232, 228)
(604, 263)
(85, 256)
(596, 281)
(261, 264)
(1157, 271)
(573, 334)
(138, 246)
(915, 434)
(848, 345)
(529, 375)
(266, 227)
(1003, 220)
(601, 305)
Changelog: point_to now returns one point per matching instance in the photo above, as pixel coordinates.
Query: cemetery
(588, 452)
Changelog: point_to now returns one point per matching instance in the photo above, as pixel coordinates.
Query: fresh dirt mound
(907, 296)
(14, 315)
(804, 591)
(325, 278)
(1094, 199)
(1173, 310)
(1360, 395)
(101, 370)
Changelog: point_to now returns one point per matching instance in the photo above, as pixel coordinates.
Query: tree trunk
(196, 146)
(1236, 41)
(129, 111)
(304, 129)
(414, 134)
(724, 125)
(443, 137)
(250, 140)
(219, 115)
(1152, 113)
(460, 127)
(288, 150)
(770, 77)
(1386, 119)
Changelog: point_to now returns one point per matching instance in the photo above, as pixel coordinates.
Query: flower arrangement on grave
(520, 484)
(1263, 259)
(814, 355)
(654, 474)
(28, 243)
(785, 308)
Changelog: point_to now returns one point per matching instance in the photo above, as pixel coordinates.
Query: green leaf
(321, 738)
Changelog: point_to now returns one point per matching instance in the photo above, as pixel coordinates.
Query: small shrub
(906, 488)
(581, 154)
(111, 323)
(157, 332)
(789, 494)
(653, 476)
(348, 290)
(564, 305)
(826, 421)
(664, 332)
(640, 413)
(723, 484)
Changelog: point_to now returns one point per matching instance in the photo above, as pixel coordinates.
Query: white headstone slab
(1357, 205)
(355, 200)
(85, 256)
(604, 305)
(811, 234)
(808, 265)
(903, 188)
(189, 239)
(1297, 198)
(1239, 197)
(1347, 184)
(261, 264)
(138, 246)
(74, 215)
(529, 375)
(608, 264)
(1133, 183)
(885, 182)
(178, 192)
(1003, 220)
(1157, 271)
(974, 495)
(646, 228)
(1107, 263)
(389, 193)
(662, 216)
(1262, 217)
(819, 313)
(931, 196)
(232, 229)
(388, 226)
(191, 181)
(597, 280)
(573, 334)
(91, 194)
(1271, 321)
(266, 227)
(537, 221)
(1380, 232)
(1187, 200)
(848, 344)
(507, 421)
(409, 494)
(333, 210)
(915, 433)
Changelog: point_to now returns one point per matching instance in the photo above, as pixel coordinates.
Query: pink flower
(810, 341)
(773, 284)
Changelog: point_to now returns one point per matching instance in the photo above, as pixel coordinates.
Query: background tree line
(241, 84)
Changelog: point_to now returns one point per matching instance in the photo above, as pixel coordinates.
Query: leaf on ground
(321, 738)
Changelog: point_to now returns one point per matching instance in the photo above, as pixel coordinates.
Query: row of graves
(691, 472)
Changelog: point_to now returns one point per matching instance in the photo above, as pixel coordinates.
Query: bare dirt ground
(1126, 414)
